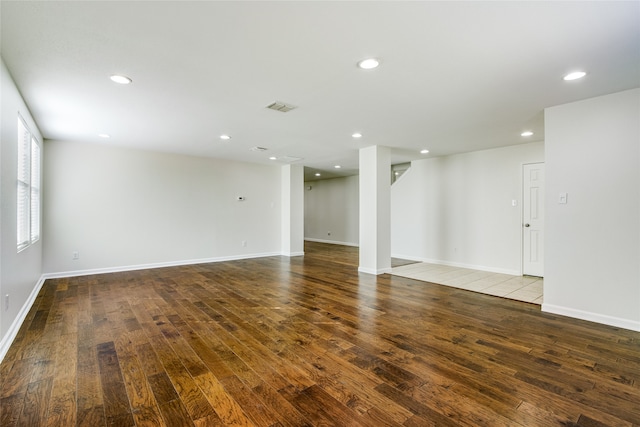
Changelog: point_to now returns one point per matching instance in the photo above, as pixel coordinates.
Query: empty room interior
(316, 213)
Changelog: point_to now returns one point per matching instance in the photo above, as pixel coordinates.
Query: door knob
(526, 225)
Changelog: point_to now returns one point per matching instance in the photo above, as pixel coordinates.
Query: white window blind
(35, 191)
(24, 182)
(28, 187)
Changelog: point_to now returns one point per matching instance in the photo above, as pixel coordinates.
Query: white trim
(459, 264)
(291, 254)
(8, 338)
(521, 225)
(373, 271)
(331, 242)
(88, 272)
(632, 325)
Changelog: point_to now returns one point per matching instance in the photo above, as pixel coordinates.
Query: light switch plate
(563, 199)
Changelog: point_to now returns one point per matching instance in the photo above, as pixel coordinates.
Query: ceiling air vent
(258, 149)
(281, 106)
(289, 159)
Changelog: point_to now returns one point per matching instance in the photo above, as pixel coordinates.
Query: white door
(533, 219)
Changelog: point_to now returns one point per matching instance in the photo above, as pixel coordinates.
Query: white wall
(457, 210)
(332, 206)
(120, 208)
(592, 251)
(19, 272)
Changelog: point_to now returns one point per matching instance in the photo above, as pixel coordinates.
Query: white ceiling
(455, 76)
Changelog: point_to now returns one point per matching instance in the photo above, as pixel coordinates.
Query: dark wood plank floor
(307, 341)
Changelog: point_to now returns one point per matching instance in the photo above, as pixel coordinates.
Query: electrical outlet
(75, 255)
(244, 243)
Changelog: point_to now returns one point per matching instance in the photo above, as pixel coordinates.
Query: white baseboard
(291, 254)
(632, 325)
(460, 265)
(374, 271)
(106, 270)
(8, 338)
(332, 242)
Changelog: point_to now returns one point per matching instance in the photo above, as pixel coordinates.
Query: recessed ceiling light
(526, 133)
(123, 80)
(273, 158)
(575, 75)
(337, 166)
(104, 135)
(424, 151)
(356, 135)
(317, 174)
(225, 137)
(369, 63)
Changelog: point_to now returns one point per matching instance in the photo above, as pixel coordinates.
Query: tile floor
(521, 288)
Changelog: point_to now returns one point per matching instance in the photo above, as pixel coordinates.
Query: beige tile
(497, 291)
(408, 268)
(469, 278)
(524, 295)
(466, 286)
(492, 280)
(427, 276)
(534, 287)
(522, 288)
(478, 286)
(521, 280)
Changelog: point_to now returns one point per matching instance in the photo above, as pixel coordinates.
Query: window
(28, 190)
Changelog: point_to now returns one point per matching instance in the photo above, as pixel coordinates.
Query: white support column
(292, 189)
(375, 210)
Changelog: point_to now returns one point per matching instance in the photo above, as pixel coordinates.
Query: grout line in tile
(522, 288)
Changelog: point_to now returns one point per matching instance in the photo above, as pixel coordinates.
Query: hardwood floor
(307, 341)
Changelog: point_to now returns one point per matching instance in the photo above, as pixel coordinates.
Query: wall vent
(281, 106)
